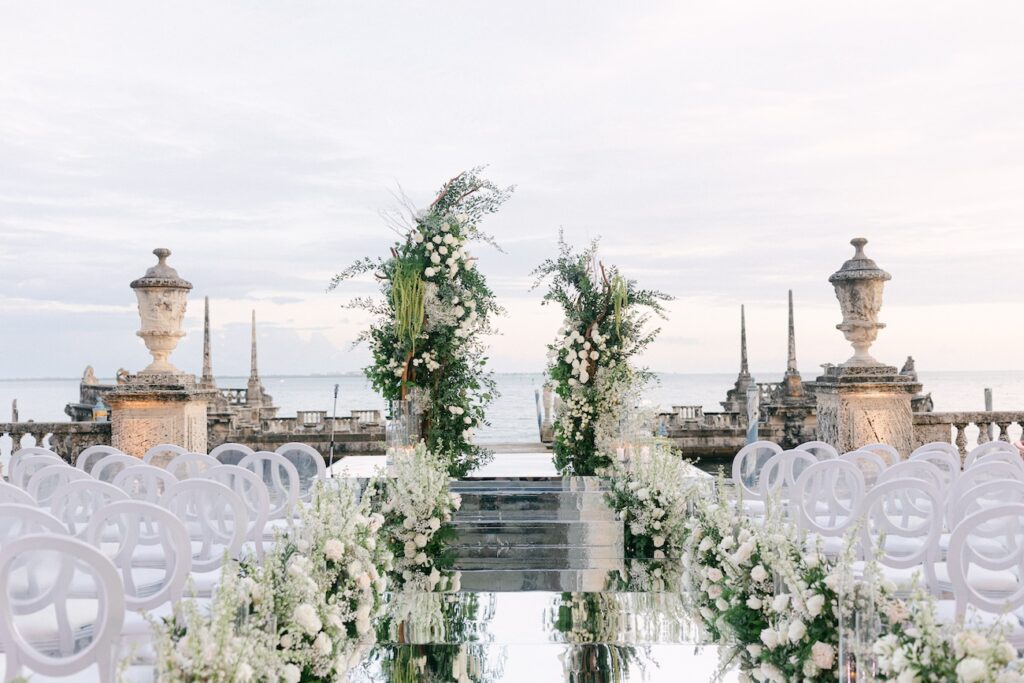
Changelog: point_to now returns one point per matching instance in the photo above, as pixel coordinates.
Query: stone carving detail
(162, 297)
(859, 284)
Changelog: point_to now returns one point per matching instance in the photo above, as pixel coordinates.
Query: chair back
(215, 517)
(230, 453)
(309, 464)
(45, 482)
(92, 455)
(819, 449)
(871, 465)
(902, 524)
(828, 497)
(253, 493)
(69, 562)
(145, 482)
(191, 465)
(161, 454)
(747, 466)
(986, 449)
(281, 479)
(24, 467)
(138, 528)
(76, 502)
(885, 451)
(971, 546)
(109, 466)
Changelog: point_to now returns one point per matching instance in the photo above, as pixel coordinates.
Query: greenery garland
(426, 335)
(605, 316)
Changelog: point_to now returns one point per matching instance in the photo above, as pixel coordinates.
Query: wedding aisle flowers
(305, 614)
(416, 510)
(651, 496)
(605, 316)
(429, 325)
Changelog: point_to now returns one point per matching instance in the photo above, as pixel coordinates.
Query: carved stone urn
(162, 296)
(859, 284)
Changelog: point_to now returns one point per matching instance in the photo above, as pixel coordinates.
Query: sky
(725, 152)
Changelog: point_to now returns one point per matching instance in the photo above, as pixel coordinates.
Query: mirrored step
(541, 533)
(541, 617)
(515, 506)
(505, 580)
(534, 484)
(543, 663)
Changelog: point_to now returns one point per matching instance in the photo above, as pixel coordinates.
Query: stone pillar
(160, 404)
(864, 401)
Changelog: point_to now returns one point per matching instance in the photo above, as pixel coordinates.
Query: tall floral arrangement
(435, 310)
(589, 362)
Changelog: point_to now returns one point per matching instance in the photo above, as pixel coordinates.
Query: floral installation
(918, 648)
(651, 495)
(428, 328)
(589, 362)
(417, 507)
(588, 622)
(778, 609)
(304, 615)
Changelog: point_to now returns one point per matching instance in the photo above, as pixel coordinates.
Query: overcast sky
(725, 151)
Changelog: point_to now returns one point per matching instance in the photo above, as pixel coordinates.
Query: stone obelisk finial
(791, 361)
(207, 381)
(254, 373)
(744, 366)
(792, 383)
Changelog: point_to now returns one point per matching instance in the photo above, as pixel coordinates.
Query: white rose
(434, 524)
(410, 549)
(815, 604)
(797, 631)
(421, 558)
(290, 672)
(435, 258)
(714, 591)
(243, 674)
(658, 541)
(770, 638)
(754, 603)
(306, 617)
(322, 644)
(334, 549)
(364, 581)
(420, 540)
(758, 574)
(823, 655)
(714, 574)
(780, 602)
(971, 670)
(430, 272)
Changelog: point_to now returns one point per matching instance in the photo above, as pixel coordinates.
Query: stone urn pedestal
(159, 408)
(863, 401)
(859, 405)
(161, 404)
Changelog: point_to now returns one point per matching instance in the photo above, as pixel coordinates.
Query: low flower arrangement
(417, 507)
(777, 610)
(651, 495)
(306, 614)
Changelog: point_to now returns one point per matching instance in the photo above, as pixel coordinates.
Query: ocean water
(513, 415)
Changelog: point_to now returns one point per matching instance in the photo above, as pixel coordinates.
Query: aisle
(543, 595)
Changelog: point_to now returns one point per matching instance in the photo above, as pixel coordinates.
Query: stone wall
(67, 439)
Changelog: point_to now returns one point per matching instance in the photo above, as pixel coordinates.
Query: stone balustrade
(968, 429)
(688, 412)
(66, 439)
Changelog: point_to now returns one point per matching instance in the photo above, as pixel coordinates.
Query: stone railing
(66, 439)
(968, 429)
(768, 390)
(688, 412)
(235, 397)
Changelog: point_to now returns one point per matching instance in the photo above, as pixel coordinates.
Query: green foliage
(605, 319)
(434, 312)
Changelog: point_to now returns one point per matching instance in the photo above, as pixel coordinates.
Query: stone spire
(207, 381)
(744, 367)
(736, 398)
(791, 362)
(792, 384)
(254, 390)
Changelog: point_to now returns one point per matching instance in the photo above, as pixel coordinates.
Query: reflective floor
(546, 595)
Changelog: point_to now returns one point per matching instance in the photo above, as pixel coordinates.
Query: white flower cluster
(445, 246)
(920, 647)
(738, 571)
(651, 498)
(323, 581)
(578, 352)
(416, 504)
